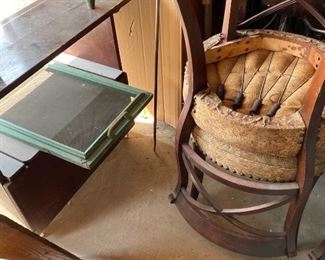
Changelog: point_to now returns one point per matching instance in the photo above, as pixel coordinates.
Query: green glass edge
(133, 109)
(107, 82)
(37, 140)
(106, 145)
(92, 155)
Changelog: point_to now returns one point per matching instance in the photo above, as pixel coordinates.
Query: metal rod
(257, 70)
(267, 12)
(303, 83)
(243, 73)
(312, 28)
(240, 95)
(288, 81)
(270, 22)
(276, 106)
(258, 102)
(278, 78)
(221, 87)
(156, 57)
(265, 76)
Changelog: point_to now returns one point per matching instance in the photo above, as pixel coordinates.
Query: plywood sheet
(135, 34)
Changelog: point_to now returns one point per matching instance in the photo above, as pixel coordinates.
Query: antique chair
(252, 120)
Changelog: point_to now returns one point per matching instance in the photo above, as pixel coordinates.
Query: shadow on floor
(122, 212)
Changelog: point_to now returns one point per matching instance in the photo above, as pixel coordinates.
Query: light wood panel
(171, 63)
(135, 34)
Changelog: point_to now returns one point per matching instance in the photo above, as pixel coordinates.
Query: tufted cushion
(257, 146)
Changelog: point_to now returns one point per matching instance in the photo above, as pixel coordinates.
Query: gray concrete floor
(122, 212)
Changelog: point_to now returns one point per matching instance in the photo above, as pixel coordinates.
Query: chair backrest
(194, 46)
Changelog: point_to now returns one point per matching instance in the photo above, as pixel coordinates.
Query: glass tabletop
(64, 110)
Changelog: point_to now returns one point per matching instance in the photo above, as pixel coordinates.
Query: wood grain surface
(19, 243)
(34, 37)
(135, 34)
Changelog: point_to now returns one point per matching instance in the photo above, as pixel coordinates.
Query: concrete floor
(122, 212)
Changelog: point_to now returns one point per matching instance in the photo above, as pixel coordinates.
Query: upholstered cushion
(258, 146)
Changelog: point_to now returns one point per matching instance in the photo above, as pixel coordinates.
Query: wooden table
(38, 184)
(34, 36)
(19, 243)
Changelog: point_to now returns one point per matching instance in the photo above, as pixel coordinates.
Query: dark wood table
(38, 184)
(41, 31)
(19, 243)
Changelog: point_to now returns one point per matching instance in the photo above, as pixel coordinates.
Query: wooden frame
(90, 156)
(249, 240)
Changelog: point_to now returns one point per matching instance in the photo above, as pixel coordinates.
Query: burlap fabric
(257, 146)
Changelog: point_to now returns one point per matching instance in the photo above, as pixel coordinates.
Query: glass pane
(64, 108)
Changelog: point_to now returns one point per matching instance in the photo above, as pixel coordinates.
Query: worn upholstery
(258, 146)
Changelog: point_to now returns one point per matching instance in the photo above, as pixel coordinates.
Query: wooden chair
(211, 105)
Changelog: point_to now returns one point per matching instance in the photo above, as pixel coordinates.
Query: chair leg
(296, 209)
(293, 219)
(319, 252)
(182, 180)
(194, 191)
